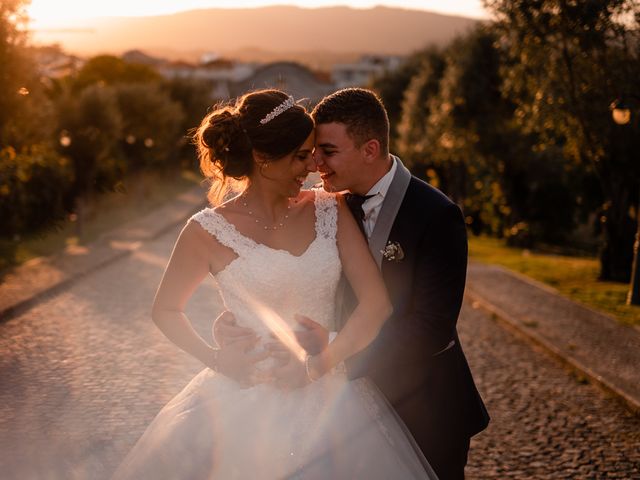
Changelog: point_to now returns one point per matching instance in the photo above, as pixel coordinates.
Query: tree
(567, 61)
(412, 125)
(194, 96)
(464, 125)
(33, 184)
(485, 160)
(34, 178)
(91, 129)
(12, 59)
(23, 106)
(110, 70)
(151, 125)
(391, 87)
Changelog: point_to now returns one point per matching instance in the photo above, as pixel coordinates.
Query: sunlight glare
(279, 328)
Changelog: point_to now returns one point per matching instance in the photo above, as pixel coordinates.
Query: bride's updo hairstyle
(230, 134)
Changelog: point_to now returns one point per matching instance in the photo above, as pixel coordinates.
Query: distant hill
(277, 32)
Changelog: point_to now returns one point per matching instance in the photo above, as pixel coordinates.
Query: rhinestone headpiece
(283, 107)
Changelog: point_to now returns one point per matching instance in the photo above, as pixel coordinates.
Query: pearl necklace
(279, 225)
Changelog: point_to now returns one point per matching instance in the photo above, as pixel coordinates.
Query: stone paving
(84, 371)
(593, 343)
(546, 423)
(27, 283)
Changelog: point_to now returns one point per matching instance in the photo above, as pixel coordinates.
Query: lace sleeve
(224, 231)
(326, 214)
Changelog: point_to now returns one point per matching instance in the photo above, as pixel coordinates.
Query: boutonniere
(393, 252)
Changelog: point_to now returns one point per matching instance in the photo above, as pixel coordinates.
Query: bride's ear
(260, 160)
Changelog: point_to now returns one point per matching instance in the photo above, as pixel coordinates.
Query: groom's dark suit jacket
(417, 360)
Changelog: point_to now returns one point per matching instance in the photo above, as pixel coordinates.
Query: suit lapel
(379, 236)
(389, 210)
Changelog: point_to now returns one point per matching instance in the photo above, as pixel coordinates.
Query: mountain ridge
(340, 30)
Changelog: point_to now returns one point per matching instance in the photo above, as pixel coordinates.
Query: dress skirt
(330, 429)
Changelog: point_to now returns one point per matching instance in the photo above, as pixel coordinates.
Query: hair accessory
(283, 107)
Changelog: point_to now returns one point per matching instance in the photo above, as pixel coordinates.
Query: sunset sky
(59, 13)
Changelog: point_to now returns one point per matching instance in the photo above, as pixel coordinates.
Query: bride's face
(289, 173)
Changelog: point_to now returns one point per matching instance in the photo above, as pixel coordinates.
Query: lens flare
(279, 327)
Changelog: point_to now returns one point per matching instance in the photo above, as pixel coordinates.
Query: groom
(418, 238)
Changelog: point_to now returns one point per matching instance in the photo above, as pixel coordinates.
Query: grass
(573, 277)
(135, 197)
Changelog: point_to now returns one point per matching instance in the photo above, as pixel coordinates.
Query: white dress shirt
(372, 206)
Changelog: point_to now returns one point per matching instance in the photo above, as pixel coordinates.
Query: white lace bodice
(263, 280)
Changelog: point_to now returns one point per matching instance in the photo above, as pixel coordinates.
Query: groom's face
(340, 162)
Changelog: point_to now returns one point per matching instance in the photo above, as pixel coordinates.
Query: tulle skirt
(331, 429)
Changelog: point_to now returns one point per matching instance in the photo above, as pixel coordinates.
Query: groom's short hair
(362, 112)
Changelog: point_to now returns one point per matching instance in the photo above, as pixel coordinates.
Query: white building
(54, 63)
(291, 77)
(220, 73)
(360, 73)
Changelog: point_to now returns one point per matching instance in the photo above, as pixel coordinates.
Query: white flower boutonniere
(393, 252)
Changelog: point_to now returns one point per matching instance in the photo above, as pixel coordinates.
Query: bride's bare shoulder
(199, 232)
(195, 231)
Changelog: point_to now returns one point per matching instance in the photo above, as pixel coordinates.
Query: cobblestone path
(546, 424)
(85, 371)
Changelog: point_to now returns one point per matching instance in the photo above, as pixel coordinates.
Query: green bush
(151, 124)
(91, 124)
(33, 185)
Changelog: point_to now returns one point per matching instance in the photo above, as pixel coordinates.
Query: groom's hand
(226, 330)
(314, 338)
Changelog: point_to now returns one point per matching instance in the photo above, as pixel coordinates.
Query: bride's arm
(374, 306)
(190, 263)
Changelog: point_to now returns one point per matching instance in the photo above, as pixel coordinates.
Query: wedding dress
(330, 429)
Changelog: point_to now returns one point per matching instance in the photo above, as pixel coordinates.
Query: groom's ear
(371, 150)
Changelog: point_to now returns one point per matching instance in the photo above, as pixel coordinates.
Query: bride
(276, 252)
